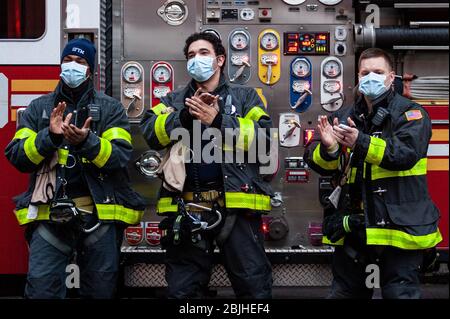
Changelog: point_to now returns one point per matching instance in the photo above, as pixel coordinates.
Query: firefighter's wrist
(333, 148)
(56, 138)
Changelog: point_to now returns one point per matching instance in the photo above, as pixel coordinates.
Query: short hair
(376, 53)
(219, 49)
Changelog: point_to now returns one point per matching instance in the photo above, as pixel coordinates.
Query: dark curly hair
(211, 38)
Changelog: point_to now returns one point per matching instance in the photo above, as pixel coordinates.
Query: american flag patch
(413, 115)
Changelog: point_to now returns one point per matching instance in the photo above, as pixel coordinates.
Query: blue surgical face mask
(201, 68)
(372, 85)
(73, 73)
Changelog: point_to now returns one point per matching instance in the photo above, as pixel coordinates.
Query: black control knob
(340, 49)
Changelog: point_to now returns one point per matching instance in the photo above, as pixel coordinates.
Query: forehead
(76, 58)
(374, 63)
(199, 45)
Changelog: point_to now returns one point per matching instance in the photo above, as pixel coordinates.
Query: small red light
(265, 12)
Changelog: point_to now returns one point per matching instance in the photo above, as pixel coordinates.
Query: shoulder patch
(413, 115)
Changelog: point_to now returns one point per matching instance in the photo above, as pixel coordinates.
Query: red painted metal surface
(13, 249)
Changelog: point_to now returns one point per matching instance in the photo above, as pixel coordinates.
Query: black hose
(390, 3)
(387, 37)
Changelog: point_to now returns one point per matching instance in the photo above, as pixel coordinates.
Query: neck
(369, 104)
(211, 84)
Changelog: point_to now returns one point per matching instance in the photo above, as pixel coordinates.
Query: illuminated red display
(307, 43)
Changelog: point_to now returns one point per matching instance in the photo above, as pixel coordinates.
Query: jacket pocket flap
(413, 213)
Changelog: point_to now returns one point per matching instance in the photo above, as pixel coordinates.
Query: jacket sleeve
(112, 150)
(29, 147)
(156, 125)
(254, 125)
(408, 144)
(317, 157)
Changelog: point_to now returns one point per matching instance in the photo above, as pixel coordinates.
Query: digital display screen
(313, 43)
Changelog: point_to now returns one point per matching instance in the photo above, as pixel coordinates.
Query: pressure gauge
(301, 68)
(332, 69)
(131, 93)
(132, 73)
(161, 74)
(239, 40)
(330, 2)
(300, 86)
(269, 41)
(332, 86)
(293, 2)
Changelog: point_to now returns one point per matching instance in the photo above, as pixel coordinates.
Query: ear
(391, 78)
(220, 60)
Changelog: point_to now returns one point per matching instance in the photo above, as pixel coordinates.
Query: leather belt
(209, 196)
(85, 203)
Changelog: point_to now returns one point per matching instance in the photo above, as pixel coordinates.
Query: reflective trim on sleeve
(346, 225)
(24, 133)
(248, 201)
(400, 239)
(246, 134)
(419, 169)
(326, 241)
(63, 155)
(256, 113)
(165, 206)
(160, 130)
(31, 150)
(327, 165)
(159, 108)
(116, 133)
(376, 150)
(104, 154)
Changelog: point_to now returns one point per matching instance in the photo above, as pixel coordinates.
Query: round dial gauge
(301, 68)
(332, 86)
(293, 2)
(269, 41)
(332, 69)
(239, 40)
(161, 73)
(300, 86)
(132, 73)
(330, 2)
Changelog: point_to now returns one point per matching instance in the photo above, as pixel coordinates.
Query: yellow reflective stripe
(31, 150)
(256, 113)
(63, 155)
(24, 133)
(160, 129)
(158, 109)
(419, 169)
(119, 212)
(116, 133)
(328, 165)
(165, 206)
(397, 238)
(104, 153)
(105, 212)
(249, 201)
(376, 150)
(22, 214)
(346, 225)
(352, 178)
(326, 241)
(246, 133)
